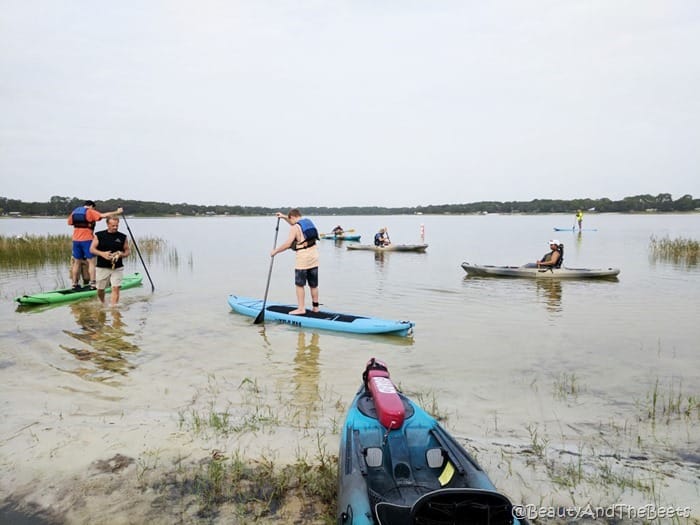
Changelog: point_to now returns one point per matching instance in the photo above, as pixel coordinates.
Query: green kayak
(68, 294)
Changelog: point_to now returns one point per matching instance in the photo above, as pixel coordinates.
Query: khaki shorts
(107, 276)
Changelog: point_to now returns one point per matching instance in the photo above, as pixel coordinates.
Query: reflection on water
(103, 334)
(550, 291)
(307, 373)
(379, 260)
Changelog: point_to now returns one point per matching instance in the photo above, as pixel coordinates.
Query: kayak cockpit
(450, 506)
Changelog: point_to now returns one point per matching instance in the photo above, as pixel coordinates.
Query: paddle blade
(260, 317)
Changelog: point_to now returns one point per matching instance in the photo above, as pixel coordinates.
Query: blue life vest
(79, 217)
(310, 233)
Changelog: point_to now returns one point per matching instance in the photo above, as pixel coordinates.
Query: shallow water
(498, 356)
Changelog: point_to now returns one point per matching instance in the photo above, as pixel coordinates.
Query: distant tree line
(62, 206)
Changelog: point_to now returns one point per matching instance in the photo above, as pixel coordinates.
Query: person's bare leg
(75, 270)
(115, 295)
(101, 295)
(301, 309)
(314, 298)
(92, 262)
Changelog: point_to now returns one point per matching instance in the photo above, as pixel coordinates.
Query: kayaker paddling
(381, 238)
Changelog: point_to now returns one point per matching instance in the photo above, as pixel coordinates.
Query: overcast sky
(342, 103)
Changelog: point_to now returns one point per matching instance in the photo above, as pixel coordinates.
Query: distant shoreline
(208, 216)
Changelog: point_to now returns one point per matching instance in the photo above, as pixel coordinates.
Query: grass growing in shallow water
(28, 251)
(259, 490)
(666, 404)
(679, 251)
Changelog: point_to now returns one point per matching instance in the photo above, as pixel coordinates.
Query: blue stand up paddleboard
(325, 320)
(398, 466)
(575, 229)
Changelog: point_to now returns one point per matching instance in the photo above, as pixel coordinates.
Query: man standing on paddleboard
(302, 239)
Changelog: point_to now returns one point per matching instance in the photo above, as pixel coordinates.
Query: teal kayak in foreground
(398, 466)
(68, 294)
(325, 320)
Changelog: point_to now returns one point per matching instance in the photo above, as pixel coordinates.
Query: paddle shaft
(261, 316)
(153, 288)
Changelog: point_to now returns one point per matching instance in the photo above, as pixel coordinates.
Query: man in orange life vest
(83, 220)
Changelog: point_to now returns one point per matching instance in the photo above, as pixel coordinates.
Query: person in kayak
(338, 230)
(302, 239)
(554, 258)
(381, 238)
(579, 219)
(110, 246)
(83, 220)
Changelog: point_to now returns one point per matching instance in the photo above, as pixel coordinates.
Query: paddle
(331, 233)
(153, 288)
(261, 316)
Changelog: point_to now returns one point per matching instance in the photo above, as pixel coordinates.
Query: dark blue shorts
(81, 250)
(301, 277)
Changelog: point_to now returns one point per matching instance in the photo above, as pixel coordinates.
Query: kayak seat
(374, 457)
(561, 257)
(435, 457)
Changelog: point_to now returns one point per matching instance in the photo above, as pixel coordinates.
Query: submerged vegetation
(680, 250)
(665, 403)
(29, 251)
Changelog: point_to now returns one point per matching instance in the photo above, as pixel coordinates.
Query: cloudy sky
(341, 103)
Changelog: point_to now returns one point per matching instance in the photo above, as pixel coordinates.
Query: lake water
(514, 365)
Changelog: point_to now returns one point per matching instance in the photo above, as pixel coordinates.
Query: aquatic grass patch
(429, 402)
(261, 489)
(255, 409)
(30, 251)
(155, 249)
(681, 250)
(666, 403)
(566, 385)
(234, 484)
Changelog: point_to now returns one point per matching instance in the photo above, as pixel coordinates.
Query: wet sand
(80, 462)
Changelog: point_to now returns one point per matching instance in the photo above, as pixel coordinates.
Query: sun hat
(554, 241)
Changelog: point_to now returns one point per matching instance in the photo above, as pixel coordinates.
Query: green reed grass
(680, 250)
(566, 386)
(261, 489)
(667, 403)
(29, 251)
(26, 251)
